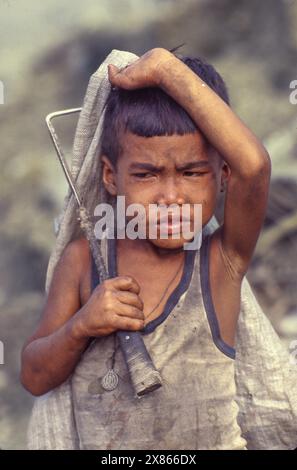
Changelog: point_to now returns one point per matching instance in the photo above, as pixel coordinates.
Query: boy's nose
(170, 193)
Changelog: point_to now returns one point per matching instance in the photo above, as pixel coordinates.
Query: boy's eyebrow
(145, 166)
(193, 164)
(185, 166)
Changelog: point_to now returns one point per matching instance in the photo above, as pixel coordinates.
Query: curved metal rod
(58, 147)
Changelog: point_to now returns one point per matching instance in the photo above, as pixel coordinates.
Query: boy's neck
(147, 250)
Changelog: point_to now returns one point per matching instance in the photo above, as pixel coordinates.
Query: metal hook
(58, 147)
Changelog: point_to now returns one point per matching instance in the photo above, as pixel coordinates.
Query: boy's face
(167, 170)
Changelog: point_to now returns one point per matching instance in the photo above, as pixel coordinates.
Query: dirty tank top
(195, 408)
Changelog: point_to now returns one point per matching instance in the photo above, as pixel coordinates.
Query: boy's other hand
(144, 72)
(114, 305)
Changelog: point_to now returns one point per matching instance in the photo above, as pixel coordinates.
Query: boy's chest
(156, 285)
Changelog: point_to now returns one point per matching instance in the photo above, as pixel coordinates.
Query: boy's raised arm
(249, 162)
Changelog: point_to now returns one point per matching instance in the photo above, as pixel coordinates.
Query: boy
(186, 304)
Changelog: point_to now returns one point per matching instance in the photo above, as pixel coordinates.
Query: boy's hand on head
(114, 305)
(143, 73)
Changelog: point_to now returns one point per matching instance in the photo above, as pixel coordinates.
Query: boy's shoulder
(79, 246)
(77, 255)
(76, 267)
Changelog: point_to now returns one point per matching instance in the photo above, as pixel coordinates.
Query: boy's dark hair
(149, 112)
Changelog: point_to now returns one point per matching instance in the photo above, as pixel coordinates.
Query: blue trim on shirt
(208, 303)
(175, 296)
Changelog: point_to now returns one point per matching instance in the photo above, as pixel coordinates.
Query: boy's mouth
(172, 226)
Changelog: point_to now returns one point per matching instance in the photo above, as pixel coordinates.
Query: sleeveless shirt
(195, 408)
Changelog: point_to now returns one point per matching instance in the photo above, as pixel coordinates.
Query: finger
(126, 323)
(113, 73)
(114, 70)
(127, 297)
(125, 283)
(117, 77)
(125, 310)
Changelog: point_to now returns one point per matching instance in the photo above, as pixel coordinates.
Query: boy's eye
(142, 175)
(194, 173)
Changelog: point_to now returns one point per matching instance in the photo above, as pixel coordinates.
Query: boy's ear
(109, 175)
